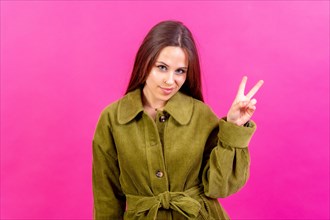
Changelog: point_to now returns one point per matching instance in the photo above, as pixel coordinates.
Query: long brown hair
(163, 34)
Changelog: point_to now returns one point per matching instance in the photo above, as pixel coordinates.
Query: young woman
(160, 152)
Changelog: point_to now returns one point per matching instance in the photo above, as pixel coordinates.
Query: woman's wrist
(246, 124)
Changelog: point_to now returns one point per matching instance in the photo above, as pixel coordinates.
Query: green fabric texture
(166, 169)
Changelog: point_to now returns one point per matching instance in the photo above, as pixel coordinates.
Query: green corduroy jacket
(174, 167)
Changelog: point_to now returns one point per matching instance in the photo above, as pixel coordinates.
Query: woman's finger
(252, 104)
(255, 89)
(243, 104)
(241, 87)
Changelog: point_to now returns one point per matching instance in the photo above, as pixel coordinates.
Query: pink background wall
(63, 61)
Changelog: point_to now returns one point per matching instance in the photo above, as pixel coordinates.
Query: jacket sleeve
(109, 200)
(227, 159)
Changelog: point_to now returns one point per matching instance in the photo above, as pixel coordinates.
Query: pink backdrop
(63, 61)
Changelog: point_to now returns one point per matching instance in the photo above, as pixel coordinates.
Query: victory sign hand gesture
(243, 106)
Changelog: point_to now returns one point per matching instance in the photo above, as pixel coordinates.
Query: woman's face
(166, 76)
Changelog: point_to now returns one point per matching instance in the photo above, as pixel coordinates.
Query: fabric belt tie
(181, 202)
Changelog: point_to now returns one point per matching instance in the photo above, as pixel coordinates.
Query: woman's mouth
(166, 91)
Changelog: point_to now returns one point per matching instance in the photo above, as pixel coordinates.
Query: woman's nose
(170, 79)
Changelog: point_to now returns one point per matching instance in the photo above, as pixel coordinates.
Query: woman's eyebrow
(162, 63)
(168, 65)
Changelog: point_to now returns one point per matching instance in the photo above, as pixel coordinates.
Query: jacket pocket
(204, 213)
(211, 209)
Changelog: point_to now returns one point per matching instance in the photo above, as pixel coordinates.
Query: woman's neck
(148, 102)
(150, 106)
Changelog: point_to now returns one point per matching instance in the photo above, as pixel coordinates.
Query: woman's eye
(180, 71)
(162, 67)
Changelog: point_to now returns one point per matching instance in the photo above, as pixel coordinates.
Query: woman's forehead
(173, 56)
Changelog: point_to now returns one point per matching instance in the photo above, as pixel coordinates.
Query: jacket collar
(180, 107)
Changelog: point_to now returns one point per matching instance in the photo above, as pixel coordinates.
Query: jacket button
(159, 174)
(162, 118)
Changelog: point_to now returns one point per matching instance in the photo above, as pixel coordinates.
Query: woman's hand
(243, 106)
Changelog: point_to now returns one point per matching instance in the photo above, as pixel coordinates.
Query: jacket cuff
(234, 135)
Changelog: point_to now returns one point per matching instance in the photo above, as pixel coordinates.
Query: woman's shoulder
(202, 107)
(125, 99)
(124, 109)
(110, 107)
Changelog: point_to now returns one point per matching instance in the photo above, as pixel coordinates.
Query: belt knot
(182, 202)
(165, 199)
